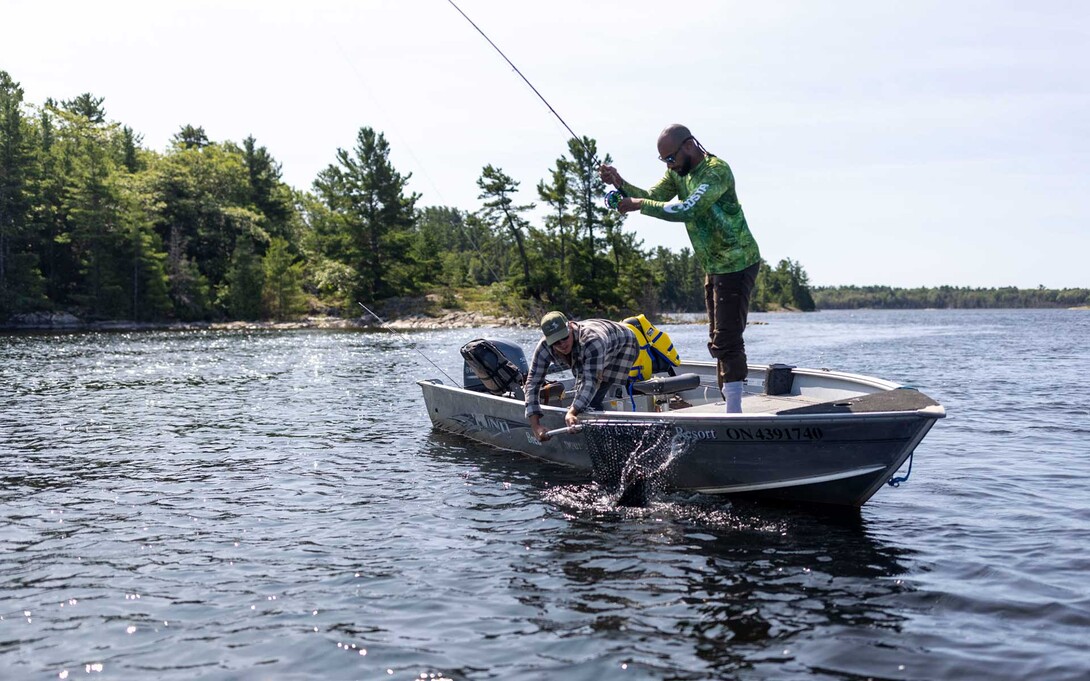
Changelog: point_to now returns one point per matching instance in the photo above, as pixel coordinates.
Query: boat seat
(550, 392)
(666, 385)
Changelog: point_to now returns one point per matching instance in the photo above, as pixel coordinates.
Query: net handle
(571, 430)
(567, 430)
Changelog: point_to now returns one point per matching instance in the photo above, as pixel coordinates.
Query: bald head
(679, 150)
(672, 135)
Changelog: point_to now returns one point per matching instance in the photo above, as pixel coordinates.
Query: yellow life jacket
(653, 343)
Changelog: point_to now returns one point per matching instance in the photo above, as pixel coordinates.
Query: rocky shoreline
(404, 321)
(448, 319)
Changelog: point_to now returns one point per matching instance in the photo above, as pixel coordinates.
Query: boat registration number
(758, 434)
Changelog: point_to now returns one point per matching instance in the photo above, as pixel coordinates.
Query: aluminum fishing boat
(805, 435)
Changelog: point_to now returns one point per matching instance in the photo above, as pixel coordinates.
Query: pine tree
(594, 279)
(556, 245)
(283, 281)
(367, 196)
(500, 212)
(92, 207)
(246, 280)
(267, 194)
(21, 285)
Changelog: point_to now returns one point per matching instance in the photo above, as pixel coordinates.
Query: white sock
(732, 393)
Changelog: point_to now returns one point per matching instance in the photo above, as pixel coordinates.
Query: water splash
(634, 461)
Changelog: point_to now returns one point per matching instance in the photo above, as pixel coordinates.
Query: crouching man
(598, 352)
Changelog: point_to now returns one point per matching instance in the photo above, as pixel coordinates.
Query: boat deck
(813, 393)
(899, 400)
(753, 404)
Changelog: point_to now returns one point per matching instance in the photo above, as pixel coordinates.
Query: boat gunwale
(933, 412)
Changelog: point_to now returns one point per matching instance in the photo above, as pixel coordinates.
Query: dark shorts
(727, 299)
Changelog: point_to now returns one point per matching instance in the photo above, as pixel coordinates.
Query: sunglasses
(672, 157)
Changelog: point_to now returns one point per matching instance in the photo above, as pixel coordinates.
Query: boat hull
(839, 458)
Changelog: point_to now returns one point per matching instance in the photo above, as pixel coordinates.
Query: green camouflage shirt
(708, 205)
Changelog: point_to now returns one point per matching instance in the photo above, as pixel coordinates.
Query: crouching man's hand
(540, 432)
(571, 418)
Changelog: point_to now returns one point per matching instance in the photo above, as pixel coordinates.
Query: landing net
(634, 460)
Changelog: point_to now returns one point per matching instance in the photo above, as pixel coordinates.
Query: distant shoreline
(445, 319)
(448, 320)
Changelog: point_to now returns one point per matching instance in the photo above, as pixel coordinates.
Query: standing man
(708, 205)
(598, 352)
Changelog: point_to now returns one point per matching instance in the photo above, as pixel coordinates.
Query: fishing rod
(612, 198)
(524, 78)
(406, 338)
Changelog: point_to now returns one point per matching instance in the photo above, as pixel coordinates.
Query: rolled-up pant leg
(727, 299)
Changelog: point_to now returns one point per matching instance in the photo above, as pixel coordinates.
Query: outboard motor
(493, 366)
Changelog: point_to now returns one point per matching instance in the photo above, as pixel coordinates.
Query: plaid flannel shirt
(602, 353)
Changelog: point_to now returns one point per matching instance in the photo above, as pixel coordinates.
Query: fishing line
(406, 338)
(612, 198)
(525, 79)
(487, 260)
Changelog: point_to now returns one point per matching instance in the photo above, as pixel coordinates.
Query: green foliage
(87, 107)
(787, 287)
(499, 212)
(129, 154)
(283, 281)
(142, 261)
(267, 195)
(582, 258)
(368, 218)
(595, 272)
(437, 231)
(93, 206)
(679, 278)
(190, 137)
(245, 281)
(886, 297)
(94, 223)
(20, 282)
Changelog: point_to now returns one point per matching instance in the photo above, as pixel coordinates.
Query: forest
(953, 297)
(94, 223)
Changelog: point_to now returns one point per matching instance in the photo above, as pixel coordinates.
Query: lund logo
(491, 423)
(688, 203)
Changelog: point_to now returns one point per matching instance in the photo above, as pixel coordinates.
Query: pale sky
(912, 143)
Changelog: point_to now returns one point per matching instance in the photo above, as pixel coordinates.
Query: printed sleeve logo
(688, 203)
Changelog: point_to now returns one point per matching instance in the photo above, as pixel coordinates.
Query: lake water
(275, 505)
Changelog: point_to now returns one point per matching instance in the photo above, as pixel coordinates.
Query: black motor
(493, 366)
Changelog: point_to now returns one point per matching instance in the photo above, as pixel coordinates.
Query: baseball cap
(555, 327)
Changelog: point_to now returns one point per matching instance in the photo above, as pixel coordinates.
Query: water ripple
(234, 505)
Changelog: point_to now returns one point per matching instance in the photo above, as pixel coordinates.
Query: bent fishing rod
(612, 198)
(524, 78)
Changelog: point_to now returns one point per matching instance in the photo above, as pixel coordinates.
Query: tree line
(94, 223)
(885, 297)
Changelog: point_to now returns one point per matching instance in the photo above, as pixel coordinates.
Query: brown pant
(727, 299)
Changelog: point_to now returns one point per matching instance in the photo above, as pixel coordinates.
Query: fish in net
(633, 460)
